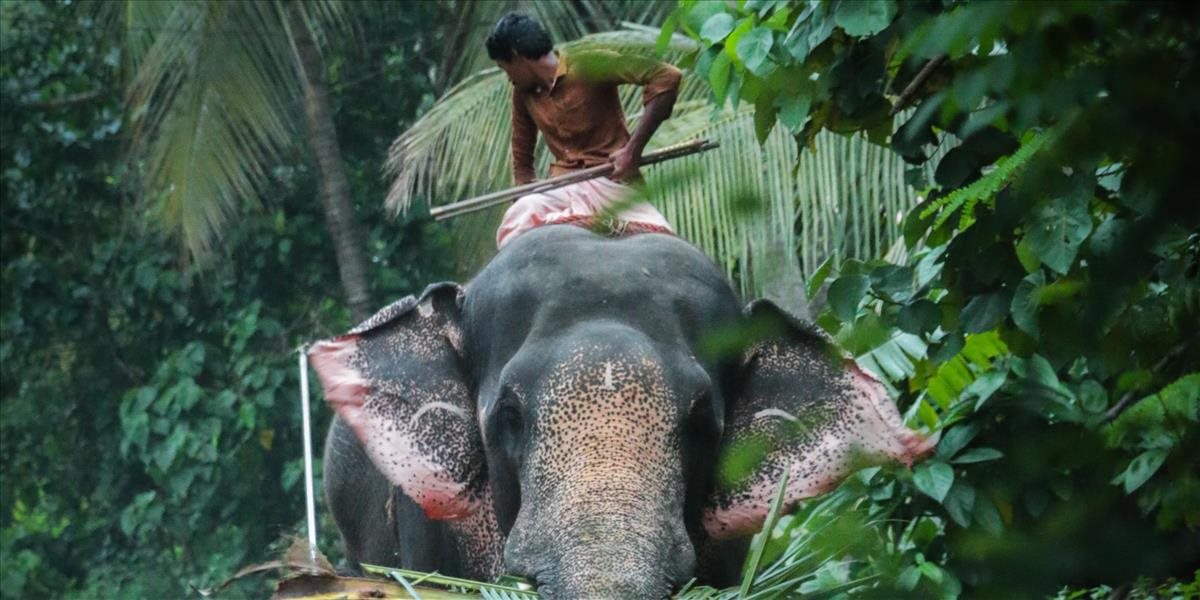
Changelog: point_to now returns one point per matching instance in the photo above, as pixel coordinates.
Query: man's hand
(625, 162)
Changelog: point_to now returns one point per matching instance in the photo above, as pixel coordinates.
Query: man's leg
(579, 203)
(540, 209)
(606, 195)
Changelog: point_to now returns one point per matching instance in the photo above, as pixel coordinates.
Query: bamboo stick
(477, 203)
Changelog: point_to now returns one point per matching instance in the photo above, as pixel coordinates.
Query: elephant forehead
(609, 411)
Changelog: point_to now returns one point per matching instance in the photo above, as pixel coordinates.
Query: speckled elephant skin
(562, 415)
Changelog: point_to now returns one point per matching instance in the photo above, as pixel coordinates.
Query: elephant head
(561, 412)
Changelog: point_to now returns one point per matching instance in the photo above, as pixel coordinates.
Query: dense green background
(149, 430)
(1046, 318)
(151, 423)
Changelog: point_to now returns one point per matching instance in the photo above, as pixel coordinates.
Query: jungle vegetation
(988, 203)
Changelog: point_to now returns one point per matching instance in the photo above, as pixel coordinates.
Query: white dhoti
(580, 204)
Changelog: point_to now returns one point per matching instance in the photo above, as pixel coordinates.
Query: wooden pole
(478, 203)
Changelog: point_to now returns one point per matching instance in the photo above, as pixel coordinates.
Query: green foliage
(985, 188)
(149, 427)
(1049, 294)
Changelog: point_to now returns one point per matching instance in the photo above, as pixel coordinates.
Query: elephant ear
(803, 407)
(398, 381)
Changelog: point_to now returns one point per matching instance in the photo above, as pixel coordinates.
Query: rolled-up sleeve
(524, 136)
(664, 79)
(655, 76)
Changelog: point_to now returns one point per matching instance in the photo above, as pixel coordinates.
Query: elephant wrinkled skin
(561, 417)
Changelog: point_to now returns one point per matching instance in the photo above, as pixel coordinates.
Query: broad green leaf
(793, 110)
(665, 32)
(1041, 371)
(818, 277)
(1059, 291)
(986, 385)
(928, 416)
(909, 578)
(764, 117)
(960, 503)
(1025, 303)
(1092, 396)
(919, 318)
(1108, 236)
(1142, 468)
(931, 572)
(987, 516)
(864, 17)
(984, 312)
(846, 293)
(1056, 231)
(779, 20)
(865, 334)
(700, 13)
(955, 439)
(893, 282)
(796, 40)
(934, 479)
(754, 47)
(977, 455)
(742, 28)
(736, 79)
(717, 27)
(718, 77)
(820, 28)
(929, 266)
(1026, 256)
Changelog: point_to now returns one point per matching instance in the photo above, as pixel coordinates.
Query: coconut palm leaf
(749, 206)
(213, 93)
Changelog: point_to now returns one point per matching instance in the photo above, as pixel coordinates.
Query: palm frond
(750, 207)
(213, 104)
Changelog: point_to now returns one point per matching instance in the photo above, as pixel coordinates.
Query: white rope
(310, 502)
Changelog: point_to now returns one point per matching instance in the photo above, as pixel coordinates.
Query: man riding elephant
(572, 100)
(563, 416)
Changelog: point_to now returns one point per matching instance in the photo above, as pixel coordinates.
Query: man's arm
(660, 87)
(524, 136)
(656, 111)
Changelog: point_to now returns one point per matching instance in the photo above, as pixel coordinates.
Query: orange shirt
(580, 115)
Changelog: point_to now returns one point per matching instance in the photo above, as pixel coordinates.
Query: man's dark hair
(518, 34)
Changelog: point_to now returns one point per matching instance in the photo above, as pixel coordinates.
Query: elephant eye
(508, 421)
(701, 417)
(508, 426)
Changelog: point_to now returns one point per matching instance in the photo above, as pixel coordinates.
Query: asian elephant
(562, 417)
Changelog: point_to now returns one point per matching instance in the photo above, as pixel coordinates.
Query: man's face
(520, 72)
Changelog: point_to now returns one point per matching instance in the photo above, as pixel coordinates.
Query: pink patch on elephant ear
(889, 437)
(388, 436)
(344, 387)
(818, 440)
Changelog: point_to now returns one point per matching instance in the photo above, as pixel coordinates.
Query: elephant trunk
(599, 550)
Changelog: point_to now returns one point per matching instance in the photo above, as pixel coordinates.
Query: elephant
(565, 416)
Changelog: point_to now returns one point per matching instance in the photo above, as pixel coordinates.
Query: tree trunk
(464, 11)
(335, 192)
